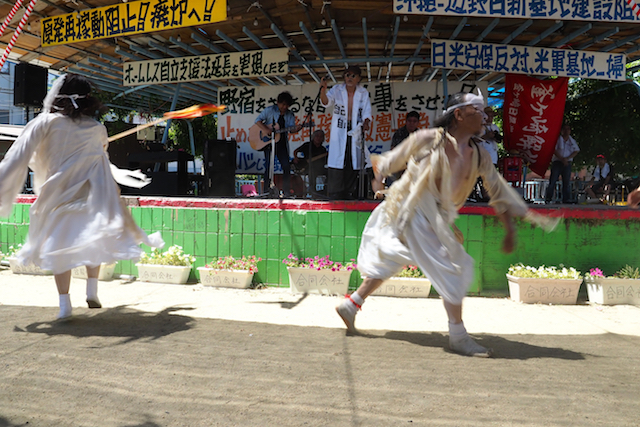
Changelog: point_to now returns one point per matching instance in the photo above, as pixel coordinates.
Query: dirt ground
(123, 367)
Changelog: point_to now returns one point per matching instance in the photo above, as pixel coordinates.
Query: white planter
(612, 290)
(407, 287)
(106, 272)
(18, 268)
(173, 274)
(225, 278)
(327, 282)
(545, 291)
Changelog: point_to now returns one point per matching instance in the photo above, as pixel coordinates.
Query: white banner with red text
(390, 103)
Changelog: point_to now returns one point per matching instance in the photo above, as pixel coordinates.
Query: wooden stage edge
(555, 210)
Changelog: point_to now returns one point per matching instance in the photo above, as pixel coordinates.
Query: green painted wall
(273, 234)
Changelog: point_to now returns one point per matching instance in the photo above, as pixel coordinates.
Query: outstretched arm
(634, 198)
(509, 242)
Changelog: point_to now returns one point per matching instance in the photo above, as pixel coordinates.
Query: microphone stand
(311, 190)
(272, 185)
(362, 173)
(271, 191)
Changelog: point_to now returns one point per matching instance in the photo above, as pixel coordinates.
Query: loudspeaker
(220, 168)
(29, 85)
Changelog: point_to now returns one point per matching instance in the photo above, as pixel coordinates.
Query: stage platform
(590, 235)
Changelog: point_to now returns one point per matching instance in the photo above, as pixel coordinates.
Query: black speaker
(29, 85)
(220, 168)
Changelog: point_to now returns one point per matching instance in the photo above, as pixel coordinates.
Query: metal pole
(173, 107)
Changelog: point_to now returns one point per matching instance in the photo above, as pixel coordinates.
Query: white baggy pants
(382, 255)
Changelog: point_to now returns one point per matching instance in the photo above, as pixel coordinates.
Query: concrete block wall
(209, 228)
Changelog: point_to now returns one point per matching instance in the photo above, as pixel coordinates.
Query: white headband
(73, 98)
(54, 93)
(472, 99)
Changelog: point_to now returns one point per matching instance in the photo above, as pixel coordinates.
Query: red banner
(532, 118)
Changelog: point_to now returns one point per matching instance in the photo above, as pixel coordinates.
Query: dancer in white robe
(414, 224)
(78, 218)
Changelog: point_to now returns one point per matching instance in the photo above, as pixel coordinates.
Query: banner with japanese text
(581, 10)
(532, 118)
(390, 103)
(128, 18)
(257, 63)
(502, 58)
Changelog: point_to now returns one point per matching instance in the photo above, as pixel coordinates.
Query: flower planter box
(612, 291)
(326, 282)
(18, 268)
(172, 274)
(106, 272)
(225, 278)
(545, 291)
(408, 287)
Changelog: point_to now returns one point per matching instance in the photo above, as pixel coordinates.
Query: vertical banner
(532, 118)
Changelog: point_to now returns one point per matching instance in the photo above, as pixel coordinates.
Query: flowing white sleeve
(14, 166)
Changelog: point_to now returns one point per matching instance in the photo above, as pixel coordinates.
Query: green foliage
(318, 263)
(203, 128)
(231, 263)
(604, 118)
(12, 250)
(410, 271)
(173, 256)
(628, 272)
(542, 272)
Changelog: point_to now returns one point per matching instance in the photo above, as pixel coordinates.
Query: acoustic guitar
(258, 141)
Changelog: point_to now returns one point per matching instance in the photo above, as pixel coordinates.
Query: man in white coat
(351, 115)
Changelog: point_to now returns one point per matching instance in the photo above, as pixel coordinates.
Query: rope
(14, 9)
(634, 7)
(23, 21)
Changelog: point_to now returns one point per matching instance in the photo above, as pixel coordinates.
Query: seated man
(318, 158)
(600, 184)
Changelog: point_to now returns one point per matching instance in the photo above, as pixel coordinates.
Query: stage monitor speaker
(220, 168)
(29, 85)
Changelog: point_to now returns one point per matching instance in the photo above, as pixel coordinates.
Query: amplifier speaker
(220, 168)
(29, 85)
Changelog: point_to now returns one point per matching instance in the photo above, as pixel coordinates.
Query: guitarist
(278, 115)
(318, 158)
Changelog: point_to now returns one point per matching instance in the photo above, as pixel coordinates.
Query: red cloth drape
(532, 118)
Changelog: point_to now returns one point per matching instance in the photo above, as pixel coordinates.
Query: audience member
(566, 149)
(600, 184)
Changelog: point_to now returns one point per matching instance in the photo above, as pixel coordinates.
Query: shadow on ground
(503, 348)
(122, 322)
(285, 304)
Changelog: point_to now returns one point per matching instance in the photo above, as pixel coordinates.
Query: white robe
(78, 217)
(413, 225)
(339, 98)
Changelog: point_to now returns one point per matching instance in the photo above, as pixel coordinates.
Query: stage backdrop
(390, 104)
(533, 112)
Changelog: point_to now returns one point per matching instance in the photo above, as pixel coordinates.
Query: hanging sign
(532, 118)
(582, 10)
(502, 58)
(125, 19)
(219, 66)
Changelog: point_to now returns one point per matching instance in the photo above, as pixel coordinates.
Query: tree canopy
(203, 128)
(605, 119)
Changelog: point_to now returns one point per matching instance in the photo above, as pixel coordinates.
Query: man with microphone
(351, 108)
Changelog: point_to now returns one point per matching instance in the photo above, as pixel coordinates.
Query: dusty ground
(156, 363)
